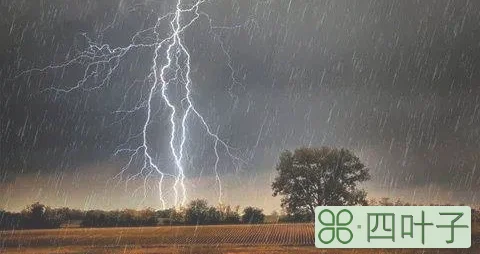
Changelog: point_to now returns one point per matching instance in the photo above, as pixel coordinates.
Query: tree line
(198, 212)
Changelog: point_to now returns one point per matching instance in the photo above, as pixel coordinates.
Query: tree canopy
(311, 177)
(253, 215)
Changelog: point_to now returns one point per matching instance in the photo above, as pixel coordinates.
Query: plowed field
(268, 238)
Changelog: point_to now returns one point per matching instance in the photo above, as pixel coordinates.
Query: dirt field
(271, 238)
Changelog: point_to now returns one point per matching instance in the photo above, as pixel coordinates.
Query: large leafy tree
(311, 177)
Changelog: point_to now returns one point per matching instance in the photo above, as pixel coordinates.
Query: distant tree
(231, 218)
(147, 217)
(38, 215)
(274, 216)
(164, 213)
(177, 217)
(126, 218)
(253, 215)
(213, 216)
(311, 177)
(196, 212)
(299, 216)
(174, 217)
(94, 218)
(35, 214)
(229, 215)
(65, 214)
(9, 220)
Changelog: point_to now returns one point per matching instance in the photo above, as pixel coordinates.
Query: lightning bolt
(170, 57)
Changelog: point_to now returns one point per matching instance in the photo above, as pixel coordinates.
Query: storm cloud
(396, 82)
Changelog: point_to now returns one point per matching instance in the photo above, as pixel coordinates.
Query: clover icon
(334, 225)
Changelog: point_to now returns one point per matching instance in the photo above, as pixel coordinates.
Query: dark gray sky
(396, 82)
